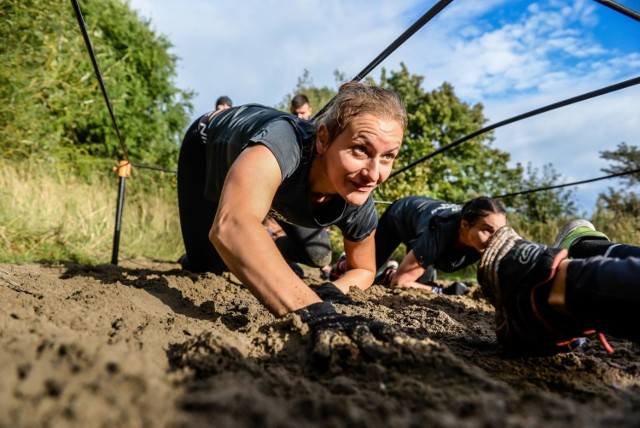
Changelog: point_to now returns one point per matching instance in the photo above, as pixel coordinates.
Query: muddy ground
(145, 344)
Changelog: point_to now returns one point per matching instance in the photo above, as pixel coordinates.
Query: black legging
(196, 212)
(586, 248)
(605, 293)
(310, 247)
(303, 245)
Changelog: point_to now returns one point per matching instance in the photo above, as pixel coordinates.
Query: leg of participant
(582, 240)
(308, 246)
(605, 292)
(196, 212)
(590, 248)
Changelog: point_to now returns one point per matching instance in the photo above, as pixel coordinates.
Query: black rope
(575, 183)
(87, 41)
(620, 8)
(96, 68)
(428, 16)
(421, 22)
(155, 168)
(531, 113)
(555, 186)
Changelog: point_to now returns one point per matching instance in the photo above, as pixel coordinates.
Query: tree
(318, 97)
(436, 119)
(624, 158)
(617, 211)
(543, 206)
(52, 105)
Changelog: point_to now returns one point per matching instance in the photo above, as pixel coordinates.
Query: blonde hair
(354, 99)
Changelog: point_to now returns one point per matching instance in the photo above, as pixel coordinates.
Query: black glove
(368, 338)
(323, 316)
(330, 293)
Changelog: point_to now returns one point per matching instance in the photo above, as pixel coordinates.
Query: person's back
(227, 133)
(413, 214)
(426, 225)
(437, 234)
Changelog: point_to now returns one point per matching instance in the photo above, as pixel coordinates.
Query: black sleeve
(359, 224)
(280, 137)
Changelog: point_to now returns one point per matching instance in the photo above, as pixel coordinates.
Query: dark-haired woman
(437, 235)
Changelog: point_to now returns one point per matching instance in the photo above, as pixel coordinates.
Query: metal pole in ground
(124, 171)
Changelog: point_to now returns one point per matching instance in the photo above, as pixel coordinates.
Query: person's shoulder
(417, 203)
(252, 108)
(246, 116)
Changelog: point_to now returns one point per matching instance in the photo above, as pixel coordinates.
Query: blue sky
(510, 55)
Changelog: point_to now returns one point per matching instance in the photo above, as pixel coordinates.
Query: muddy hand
(330, 293)
(335, 335)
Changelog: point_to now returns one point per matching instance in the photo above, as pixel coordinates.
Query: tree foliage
(624, 158)
(617, 211)
(52, 104)
(318, 97)
(437, 119)
(543, 206)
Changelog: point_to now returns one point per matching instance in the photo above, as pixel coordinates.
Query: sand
(145, 344)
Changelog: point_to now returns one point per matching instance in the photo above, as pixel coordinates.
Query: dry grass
(48, 215)
(54, 217)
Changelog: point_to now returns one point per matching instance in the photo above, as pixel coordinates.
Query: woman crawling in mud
(241, 164)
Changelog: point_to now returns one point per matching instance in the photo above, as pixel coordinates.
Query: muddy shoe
(516, 277)
(456, 289)
(386, 272)
(339, 269)
(575, 231)
(325, 272)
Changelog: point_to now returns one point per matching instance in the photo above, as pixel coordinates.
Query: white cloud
(254, 51)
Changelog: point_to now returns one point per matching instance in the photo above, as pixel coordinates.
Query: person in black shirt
(438, 235)
(301, 107)
(241, 164)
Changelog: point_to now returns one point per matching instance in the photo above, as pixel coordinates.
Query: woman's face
(359, 159)
(478, 234)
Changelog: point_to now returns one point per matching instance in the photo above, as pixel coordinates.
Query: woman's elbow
(221, 232)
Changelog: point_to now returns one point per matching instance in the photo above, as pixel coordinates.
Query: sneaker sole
(500, 244)
(390, 264)
(570, 227)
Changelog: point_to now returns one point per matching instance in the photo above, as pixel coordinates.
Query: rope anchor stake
(124, 171)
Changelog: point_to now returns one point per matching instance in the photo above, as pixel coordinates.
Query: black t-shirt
(291, 140)
(430, 228)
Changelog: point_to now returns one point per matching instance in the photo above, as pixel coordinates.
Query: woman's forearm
(253, 257)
